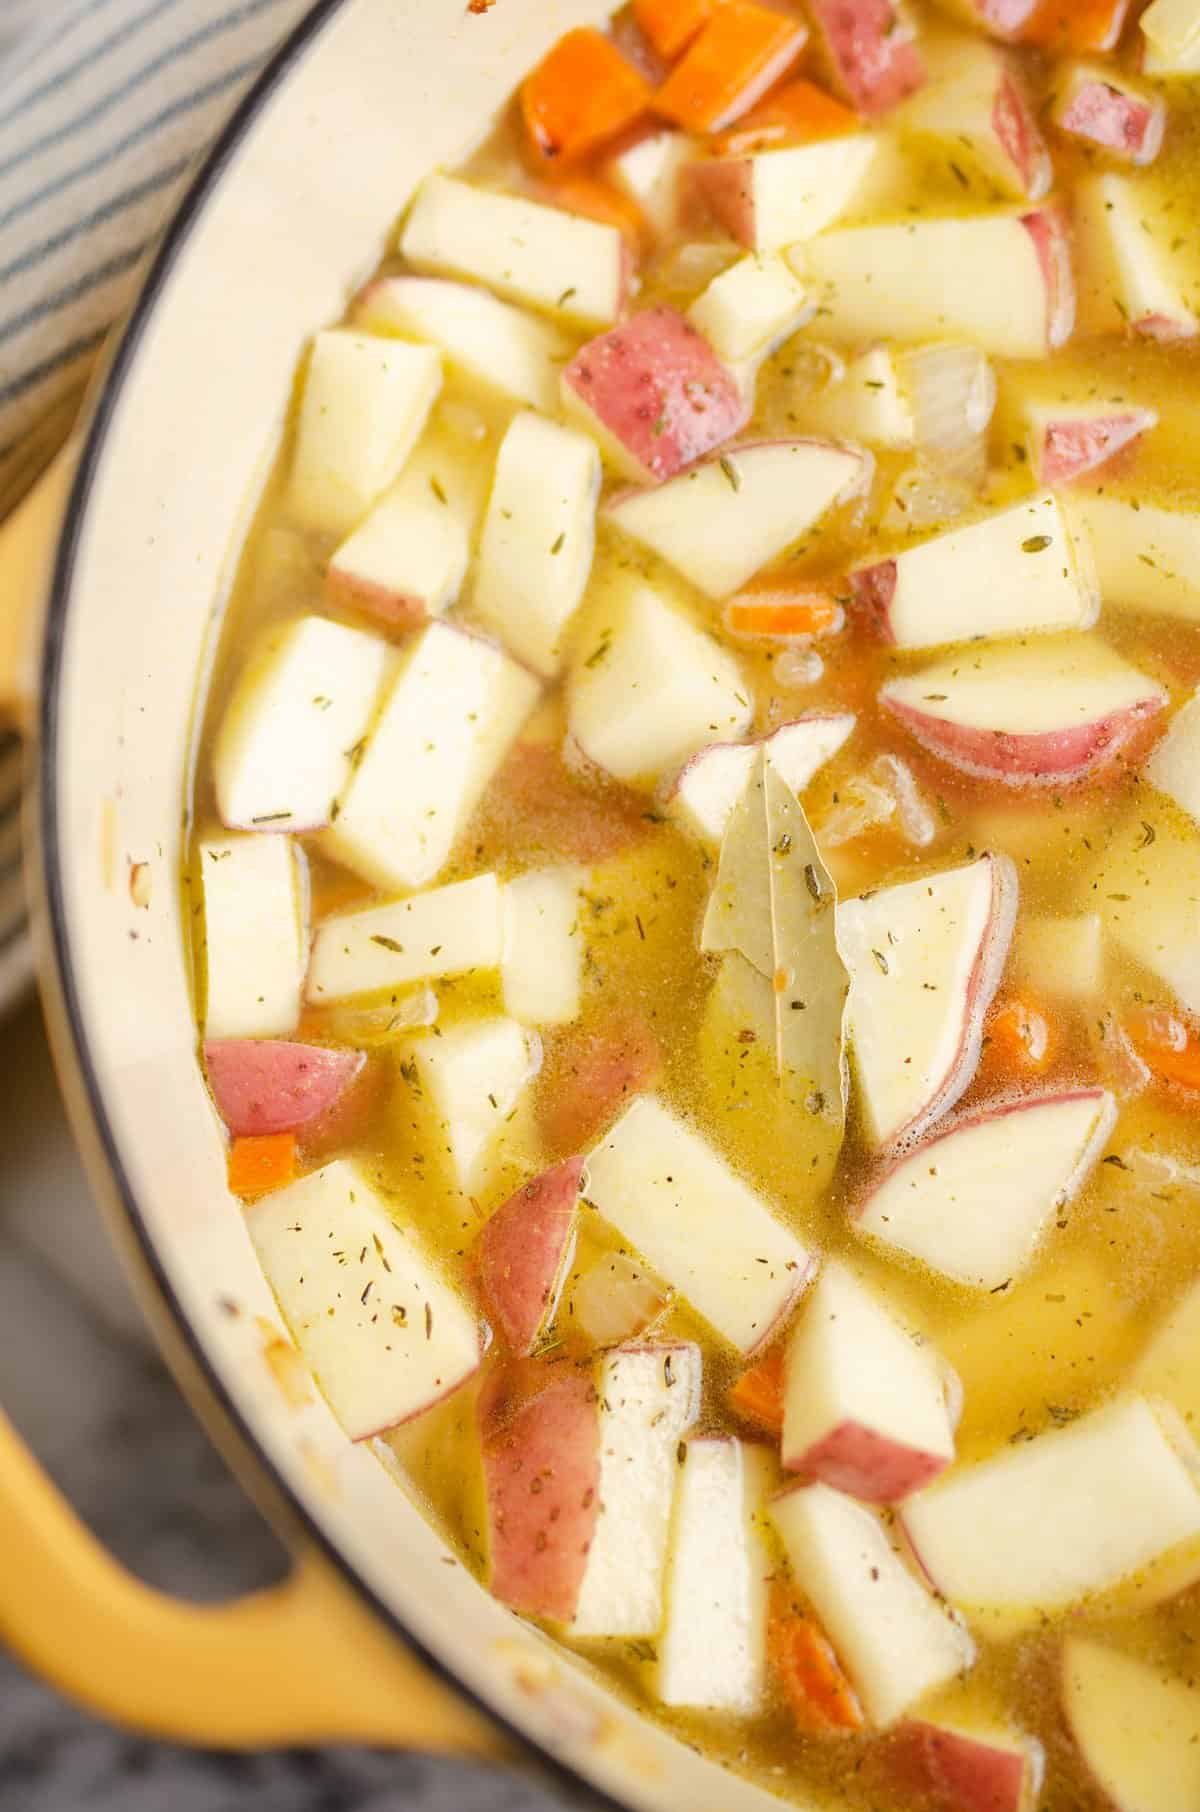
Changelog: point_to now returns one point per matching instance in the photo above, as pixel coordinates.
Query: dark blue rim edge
(216, 164)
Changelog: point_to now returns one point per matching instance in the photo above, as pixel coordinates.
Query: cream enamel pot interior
(291, 212)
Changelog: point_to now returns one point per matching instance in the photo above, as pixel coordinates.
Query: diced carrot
(1167, 1045)
(1020, 1039)
(671, 25)
(758, 1393)
(738, 55)
(818, 1694)
(795, 114)
(779, 613)
(1074, 27)
(258, 1165)
(581, 94)
(599, 201)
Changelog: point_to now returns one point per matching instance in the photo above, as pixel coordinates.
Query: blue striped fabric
(104, 105)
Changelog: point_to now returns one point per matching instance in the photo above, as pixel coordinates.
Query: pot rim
(216, 165)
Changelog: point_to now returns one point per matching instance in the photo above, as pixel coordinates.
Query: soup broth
(696, 821)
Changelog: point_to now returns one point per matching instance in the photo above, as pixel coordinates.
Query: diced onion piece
(924, 498)
(798, 667)
(952, 389)
(402, 1013)
(615, 1299)
(862, 804)
(1121, 1069)
(693, 266)
(914, 814)
(1158, 1170)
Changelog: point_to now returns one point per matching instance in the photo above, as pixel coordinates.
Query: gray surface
(80, 1381)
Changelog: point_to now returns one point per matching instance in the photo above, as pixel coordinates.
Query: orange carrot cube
(257, 1165)
(741, 53)
(796, 114)
(581, 94)
(671, 25)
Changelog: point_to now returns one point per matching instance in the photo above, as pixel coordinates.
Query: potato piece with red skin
(654, 394)
(872, 53)
(537, 807)
(1096, 104)
(593, 1074)
(1066, 447)
(274, 1085)
(523, 1251)
(541, 1470)
(946, 1769)
(1002, 18)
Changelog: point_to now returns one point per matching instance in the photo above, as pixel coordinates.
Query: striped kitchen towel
(104, 107)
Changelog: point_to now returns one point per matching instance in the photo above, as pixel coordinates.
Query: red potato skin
(659, 388)
(522, 1251)
(272, 1085)
(1005, 18)
(542, 1476)
(866, 1465)
(1016, 129)
(1128, 127)
(592, 1075)
(875, 61)
(1164, 330)
(1050, 758)
(345, 591)
(1048, 229)
(724, 186)
(1071, 448)
(872, 589)
(537, 807)
(947, 1771)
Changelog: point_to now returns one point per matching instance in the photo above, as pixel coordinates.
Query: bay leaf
(774, 906)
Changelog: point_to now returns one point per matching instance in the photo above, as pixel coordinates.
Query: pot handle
(301, 1662)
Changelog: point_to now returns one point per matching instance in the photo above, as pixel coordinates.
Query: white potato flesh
(711, 783)
(725, 518)
(302, 701)
(649, 689)
(750, 309)
(1063, 958)
(650, 172)
(255, 934)
(539, 534)
(1160, 64)
(856, 1379)
(410, 554)
(1173, 27)
(712, 1652)
(867, 403)
(974, 1202)
(925, 959)
(978, 277)
(1174, 766)
(1044, 1524)
(539, 255)
(894, 1639)
(448, 931)
(696, 1223)
(1137, 1727)
(486, 340)
(383, 1333)
(472, 1076)
(541, 971)
(1148, 896)
(1128, 274)
(445, 726)
(1028, 688)
(1016, 571)
(775, 198)
(1170, 1365)
(1146, 557)
(649, 1397)
(975, 105)
(366, 400)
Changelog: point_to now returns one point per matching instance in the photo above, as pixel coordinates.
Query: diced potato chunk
(488, 341)
(301, 702)
(750, 309)
(473, 1075)
(366, 400)
(542, 970)
(384, 1333)
(1062, 957)
(255, 934)
(538, 537)
(445, 727)
(544, 256)
(448, 931)
(651, 689)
